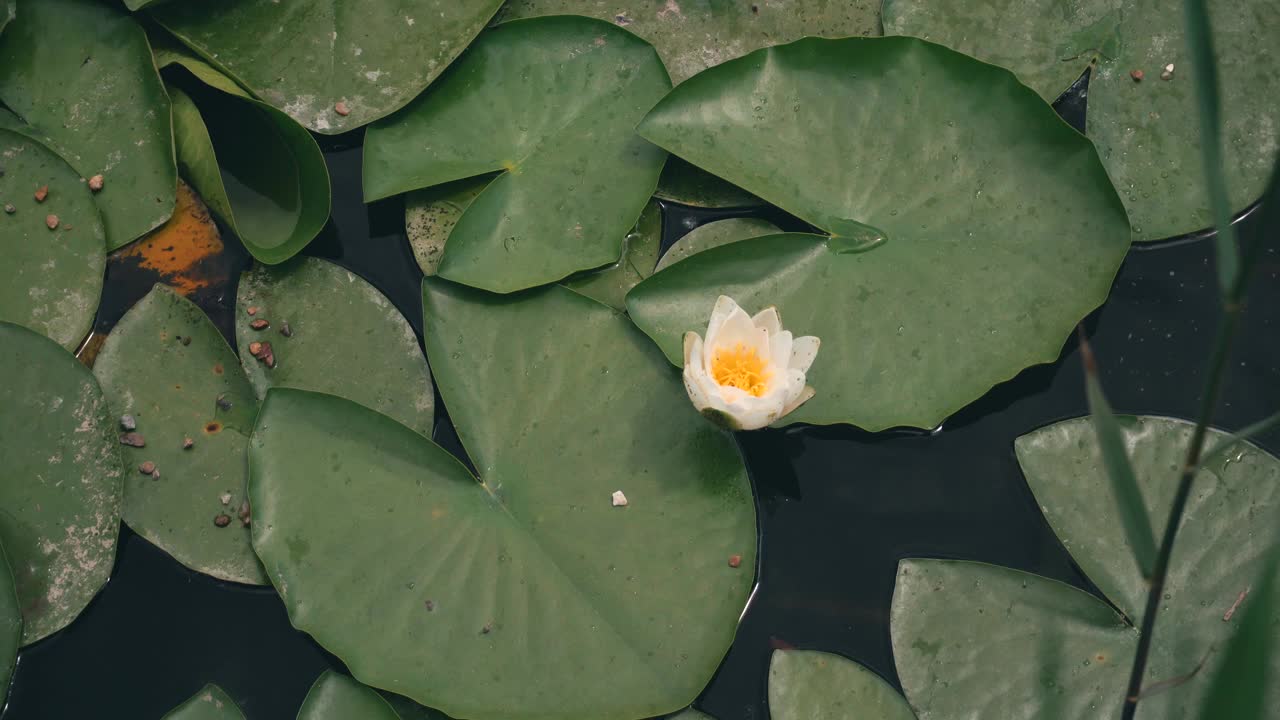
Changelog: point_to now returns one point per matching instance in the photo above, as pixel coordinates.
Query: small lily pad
(332, 66)
(811, 685)
(337, 697)
(611, 284)
(211, 703)
(60, 498)
(715, 234)
(166, 365)
(10, 625)
(330, 331)
(258, 170)
(79, 75)
(54, 277)
(550, 104)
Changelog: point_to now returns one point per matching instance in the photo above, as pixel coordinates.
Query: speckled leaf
(307, 56)
(1147, 132)
(10, 625)
(960, 629)
(79, 74)
(60, 495)
(713, 235)
(337, 697)
(611, 284)
(811, 685)
(552, 103)
(431, 214)
(531, 574)
(345, 338)
(53, 278)
(167, 365)
(211, 703)
(275, 195)
(1001, 230)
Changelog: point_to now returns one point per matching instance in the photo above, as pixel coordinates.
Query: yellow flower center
(741, 367)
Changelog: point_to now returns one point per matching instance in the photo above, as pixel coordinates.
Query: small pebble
(340, 107)
(222, 520)
(619, 500)
(286, 331)
(260, 324)
(155, 474)
(186, 340)
(223, 403)
(147, 468)
(255, 348)
(488, 628)
(244, 513)
(251, 310)
(188, 443)
(735, 561)
(42, 193)
(51, 221)
(133, 439)
(431, 605)
(128, 423)
(225, 498)
(263, 353)
(1136, 75)
(95, 183)
(1168, 72)
(9, 208)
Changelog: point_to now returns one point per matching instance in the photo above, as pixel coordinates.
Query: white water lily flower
(750, 371)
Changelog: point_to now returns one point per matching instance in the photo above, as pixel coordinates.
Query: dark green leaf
(338, 697)
(689, 185)
(552, 103)
(715, 234)
(10, 625)
(211, 703)
(811, 685)
(60, 496)
(1001, 230)
(344, 337)
(166, 364)
(53, 277)
(79, 74)
(611, 284)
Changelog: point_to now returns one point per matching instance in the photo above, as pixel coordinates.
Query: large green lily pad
(1147, 132)
(10, 625)
(552, 103)
(531, 573)
(337, 697)
(305, 57)
(960, 629)
(258, 170)
(79, 74)
(969, 236)
(60, 493)
(611, 284)
(53, 277)
(344, 337)
(166, 364)
(715, 234)
(812, 685)
(211, 703)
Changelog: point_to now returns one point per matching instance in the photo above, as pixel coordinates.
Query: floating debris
(222, 520)
(42, 193)
(147, 468)
(223, 403)
(95, 183)
(244, 513)
(133, 439)
(263, 352)
(185, 340)
(488, 628)
(1231, 611)
(188, 443)
(260, 324)
(225, 498)
(1168, 72)
(286, 331)
(1136, 75)
(9, 208)
(341, 108)
(735, 561)
(128, 423)
(431, 605)
(619, 500)
(51, 221)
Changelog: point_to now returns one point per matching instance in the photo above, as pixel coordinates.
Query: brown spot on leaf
(213, 427)
(217, 369)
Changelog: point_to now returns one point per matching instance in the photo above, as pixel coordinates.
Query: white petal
(738, 328)
(806, 393)
(768, 319)
(692, 347)
(724, 307)
(753, 413)
(803, 351)
(780, 350)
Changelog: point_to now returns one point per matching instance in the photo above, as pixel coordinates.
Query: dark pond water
(838, 507)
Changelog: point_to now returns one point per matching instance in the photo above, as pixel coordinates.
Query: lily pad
(10, 625)
(167, 366)
(258, 170)
(959, 629)
(531, 574)
(431, 214)
(686, 184)
(332, 66)
(79, 75)
(969, 236)
(611, 284)
(715, 234)
(1147, 132)
(211, 703)
(337, 697)
(552, 103)
(811, 685)
(54, 277)
(343, 337)
(60, 498)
